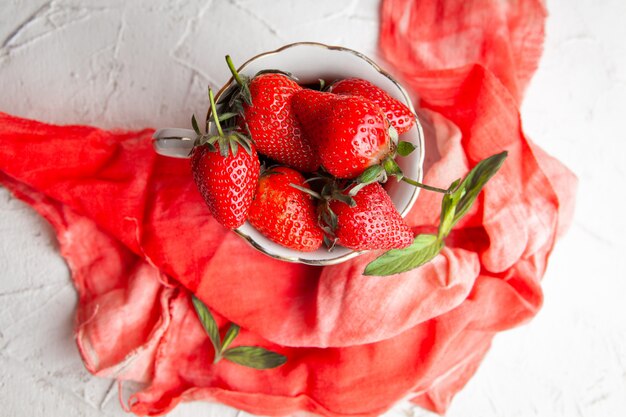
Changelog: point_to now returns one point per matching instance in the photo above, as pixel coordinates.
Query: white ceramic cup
(309, 62)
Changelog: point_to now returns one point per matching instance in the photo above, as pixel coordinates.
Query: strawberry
(372, 223)
(349, 133)
(285, 214)
(226, 176)
(399, 115)
(267, 111)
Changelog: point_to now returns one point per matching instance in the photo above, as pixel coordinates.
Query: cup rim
(407, 100)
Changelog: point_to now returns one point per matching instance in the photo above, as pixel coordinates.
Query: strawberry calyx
(242, 93)
(388, 167)
(328, 221)
(239, 93)
(330, 191)
(226, 140)
(270, 170)
(277, 71)
(325, 215)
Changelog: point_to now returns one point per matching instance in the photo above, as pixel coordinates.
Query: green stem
(426, 187)
(233, 70)
(214, 112)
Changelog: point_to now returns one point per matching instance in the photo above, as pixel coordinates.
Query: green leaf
(467, 191)
(358, 187)
(392, 168)
(234, 146)
(254, 357)
(276, 71)
(346, 199)
(454, 206)
(330, 243)
(201, 140)
(228, 94)
(446, 219)
(476, 180)
(424, 248)
(405, 148)
(226, 116)
(231, 334)
(454, 186)
(246, 95)
(194, 124)
(448, 209)
(224, 145)
(370, 175)
(243, 142)
(208, 322)
(330, 218)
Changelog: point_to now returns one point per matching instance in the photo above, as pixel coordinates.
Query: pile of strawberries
(326, 151)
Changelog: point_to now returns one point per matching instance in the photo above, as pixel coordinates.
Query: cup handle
(174, 142)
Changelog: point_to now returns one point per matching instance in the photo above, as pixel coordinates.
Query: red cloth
(133, 228)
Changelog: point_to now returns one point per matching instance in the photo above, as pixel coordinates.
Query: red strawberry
(398, 114)
(226, 175)
(349, 133)
(285, 214)
(266, 106)
(373, 222)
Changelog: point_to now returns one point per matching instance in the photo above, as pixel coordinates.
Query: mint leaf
(250, 356)
(476, 180)
(254, 357)
(231, 334)
(453, 207)
(424, 248)
(461, 200)
(208, 322)
(405, 148)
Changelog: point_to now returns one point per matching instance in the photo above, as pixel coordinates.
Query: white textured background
(147, 63)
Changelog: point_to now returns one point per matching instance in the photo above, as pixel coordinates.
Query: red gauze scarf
(138, 239)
